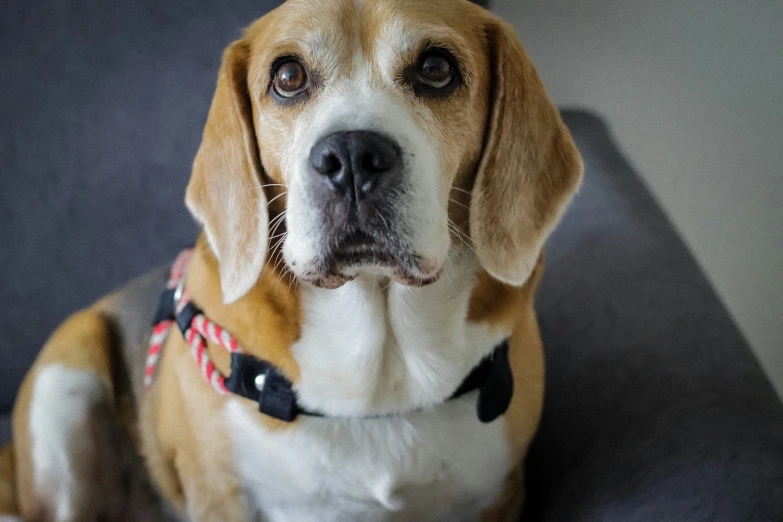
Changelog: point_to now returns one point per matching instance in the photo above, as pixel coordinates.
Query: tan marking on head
(396, 33)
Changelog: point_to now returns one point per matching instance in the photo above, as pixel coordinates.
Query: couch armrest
(655, 407)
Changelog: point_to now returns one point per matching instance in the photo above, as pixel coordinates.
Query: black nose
(355, 162)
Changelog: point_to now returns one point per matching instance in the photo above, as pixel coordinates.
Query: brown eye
(290, 79)
(435, 69)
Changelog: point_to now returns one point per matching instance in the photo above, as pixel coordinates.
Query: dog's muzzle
(359, 178)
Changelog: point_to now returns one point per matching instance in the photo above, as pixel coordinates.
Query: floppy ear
(530, 166)
(225, 192)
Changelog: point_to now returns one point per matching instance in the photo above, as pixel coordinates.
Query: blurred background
(693, 94)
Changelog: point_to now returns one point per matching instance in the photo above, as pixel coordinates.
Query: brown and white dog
(375, 182)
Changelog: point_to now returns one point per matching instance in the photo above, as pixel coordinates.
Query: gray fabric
(655, 408)
(5, 428)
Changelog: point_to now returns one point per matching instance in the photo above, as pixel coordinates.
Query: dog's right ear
(225, 192)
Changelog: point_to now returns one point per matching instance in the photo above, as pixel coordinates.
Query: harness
(260, 381)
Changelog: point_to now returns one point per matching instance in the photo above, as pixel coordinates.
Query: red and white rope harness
(201, 329)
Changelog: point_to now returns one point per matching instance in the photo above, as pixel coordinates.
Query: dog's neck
(372, 346)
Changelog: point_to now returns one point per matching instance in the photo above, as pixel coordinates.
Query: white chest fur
(371, 348)
(435, 465)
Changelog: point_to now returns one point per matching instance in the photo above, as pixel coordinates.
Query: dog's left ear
(225, 192)
(530, 167)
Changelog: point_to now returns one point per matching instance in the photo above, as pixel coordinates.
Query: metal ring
(178, 292)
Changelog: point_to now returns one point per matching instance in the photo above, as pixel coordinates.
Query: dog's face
(365, 129)
(368, 117)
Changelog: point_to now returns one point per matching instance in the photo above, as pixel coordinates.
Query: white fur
(365, 101)
(59, 407)
(432, 465)
(367, 350)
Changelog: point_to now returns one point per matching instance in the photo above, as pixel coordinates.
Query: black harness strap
(262, 382)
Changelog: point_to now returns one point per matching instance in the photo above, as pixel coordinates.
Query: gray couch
(655, 409)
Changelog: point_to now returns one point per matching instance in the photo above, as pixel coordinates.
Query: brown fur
(505, 150)
(7, 481)
(225, 190)
(530, 167)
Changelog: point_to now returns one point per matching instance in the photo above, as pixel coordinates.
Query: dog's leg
(54, 439)
(71, 452)
(199, 462)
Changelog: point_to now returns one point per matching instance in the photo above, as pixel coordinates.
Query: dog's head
(358, 136)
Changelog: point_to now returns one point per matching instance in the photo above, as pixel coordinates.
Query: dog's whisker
(460, 235)
(460, 204)
(275, 223)
(282, 270)
(278, 217)
(292, 277)
(278, 243)
(274, 198)
(275, 235)
(464, 242)
(275, 251)
(274, 228)
(380, 215)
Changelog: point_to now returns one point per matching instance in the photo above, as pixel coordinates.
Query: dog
(375, 183)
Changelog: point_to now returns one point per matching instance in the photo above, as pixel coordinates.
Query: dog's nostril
(327, 163)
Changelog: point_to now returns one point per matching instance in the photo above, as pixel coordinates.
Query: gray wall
(693, 91)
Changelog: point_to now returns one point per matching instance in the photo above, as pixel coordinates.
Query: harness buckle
(178, 292)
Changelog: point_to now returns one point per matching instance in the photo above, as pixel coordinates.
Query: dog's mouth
(362, 249)
(360, 252)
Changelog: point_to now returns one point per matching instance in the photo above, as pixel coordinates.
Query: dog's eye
(435, 69)
(290, 79)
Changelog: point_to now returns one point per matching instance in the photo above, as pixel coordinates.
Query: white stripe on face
(368, 101)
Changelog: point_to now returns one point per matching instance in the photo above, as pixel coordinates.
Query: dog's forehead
(336, 34)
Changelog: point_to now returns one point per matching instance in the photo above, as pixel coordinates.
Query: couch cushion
(655, 407)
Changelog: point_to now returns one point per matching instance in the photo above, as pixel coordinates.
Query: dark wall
(102, 105)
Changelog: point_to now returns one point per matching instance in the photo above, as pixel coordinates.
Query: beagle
(376, 181)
